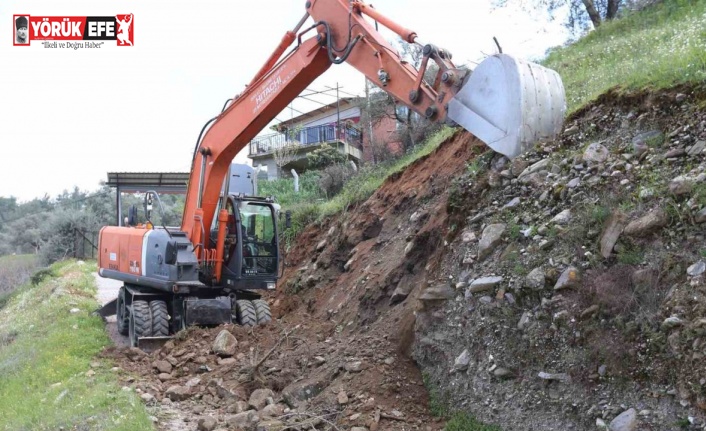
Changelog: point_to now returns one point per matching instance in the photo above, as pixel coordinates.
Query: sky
(70, 116)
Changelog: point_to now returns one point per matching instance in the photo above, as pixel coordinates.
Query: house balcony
(348, 140)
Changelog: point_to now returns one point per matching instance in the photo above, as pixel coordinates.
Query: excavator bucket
(510, 104)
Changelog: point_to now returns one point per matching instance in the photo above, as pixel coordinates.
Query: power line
(344, 92)
(315, 101)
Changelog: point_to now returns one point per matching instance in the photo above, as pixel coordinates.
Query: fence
(85, 244)
(306, 136)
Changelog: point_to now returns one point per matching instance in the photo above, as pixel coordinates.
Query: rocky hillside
(574, 293)
(338, 354)
(562, 290)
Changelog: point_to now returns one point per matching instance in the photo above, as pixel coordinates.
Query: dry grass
(14, 272)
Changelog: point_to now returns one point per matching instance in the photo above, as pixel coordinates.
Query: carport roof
(174, 182)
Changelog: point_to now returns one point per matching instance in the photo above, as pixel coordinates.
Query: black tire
(245, 312)
(140, 321)
(123, 318)
(160, 318)
(262, 310)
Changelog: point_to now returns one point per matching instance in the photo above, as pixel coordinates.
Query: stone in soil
(225, 344)
(484, 283)
(569, 278)
(648, 223)
(207, 423)
(258, 399)
(492, 235)
(626, 421)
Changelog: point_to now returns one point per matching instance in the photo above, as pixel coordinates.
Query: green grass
(440, 406)
(658, 47)
(46, 352)
(283, 189)
(464, 422)
(631, 255)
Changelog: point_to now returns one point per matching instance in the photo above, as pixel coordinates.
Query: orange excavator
(210, 270)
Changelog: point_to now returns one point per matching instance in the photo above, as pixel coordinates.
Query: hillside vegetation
(51, 379)
(15, 271)
(656, 48)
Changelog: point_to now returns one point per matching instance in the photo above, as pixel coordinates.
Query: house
(337, 124)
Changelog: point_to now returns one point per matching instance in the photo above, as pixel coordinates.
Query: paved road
(107, 291)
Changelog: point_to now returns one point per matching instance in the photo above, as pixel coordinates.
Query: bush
(15, 271)
(283, 189)
(302, 215)
(333, 178)
(60, 232)
(42, 274)
(325, 155)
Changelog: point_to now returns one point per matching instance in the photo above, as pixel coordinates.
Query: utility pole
(370, 121)
(338, 114)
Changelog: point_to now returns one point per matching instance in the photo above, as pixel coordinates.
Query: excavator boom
(208, 273)
(506, 102)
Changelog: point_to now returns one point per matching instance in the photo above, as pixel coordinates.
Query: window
(259, 241)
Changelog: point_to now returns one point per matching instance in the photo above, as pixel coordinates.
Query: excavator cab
(252, 246)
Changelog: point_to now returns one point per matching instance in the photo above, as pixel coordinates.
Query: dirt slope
(590, 301)
(561, 290)
(343, 331)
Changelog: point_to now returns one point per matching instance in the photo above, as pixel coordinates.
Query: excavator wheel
(140, 321)
(160, 318)
(123, 319)
(245, 312)
(262, 309)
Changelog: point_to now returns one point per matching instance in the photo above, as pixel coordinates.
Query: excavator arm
(341, 33)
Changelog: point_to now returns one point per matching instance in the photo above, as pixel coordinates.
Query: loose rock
(462, 361)
(484, 283)
(224, 344)
(648, 223)
(626, 421)
(258, 399)
(569, 278)
(491, 237)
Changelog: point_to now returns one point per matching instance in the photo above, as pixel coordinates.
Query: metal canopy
(135, 182)
(161, 182)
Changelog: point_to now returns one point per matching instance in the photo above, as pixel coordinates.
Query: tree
(412, 128)
(324, 156)
(284, 154)
(581, 13)
(59, 233)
